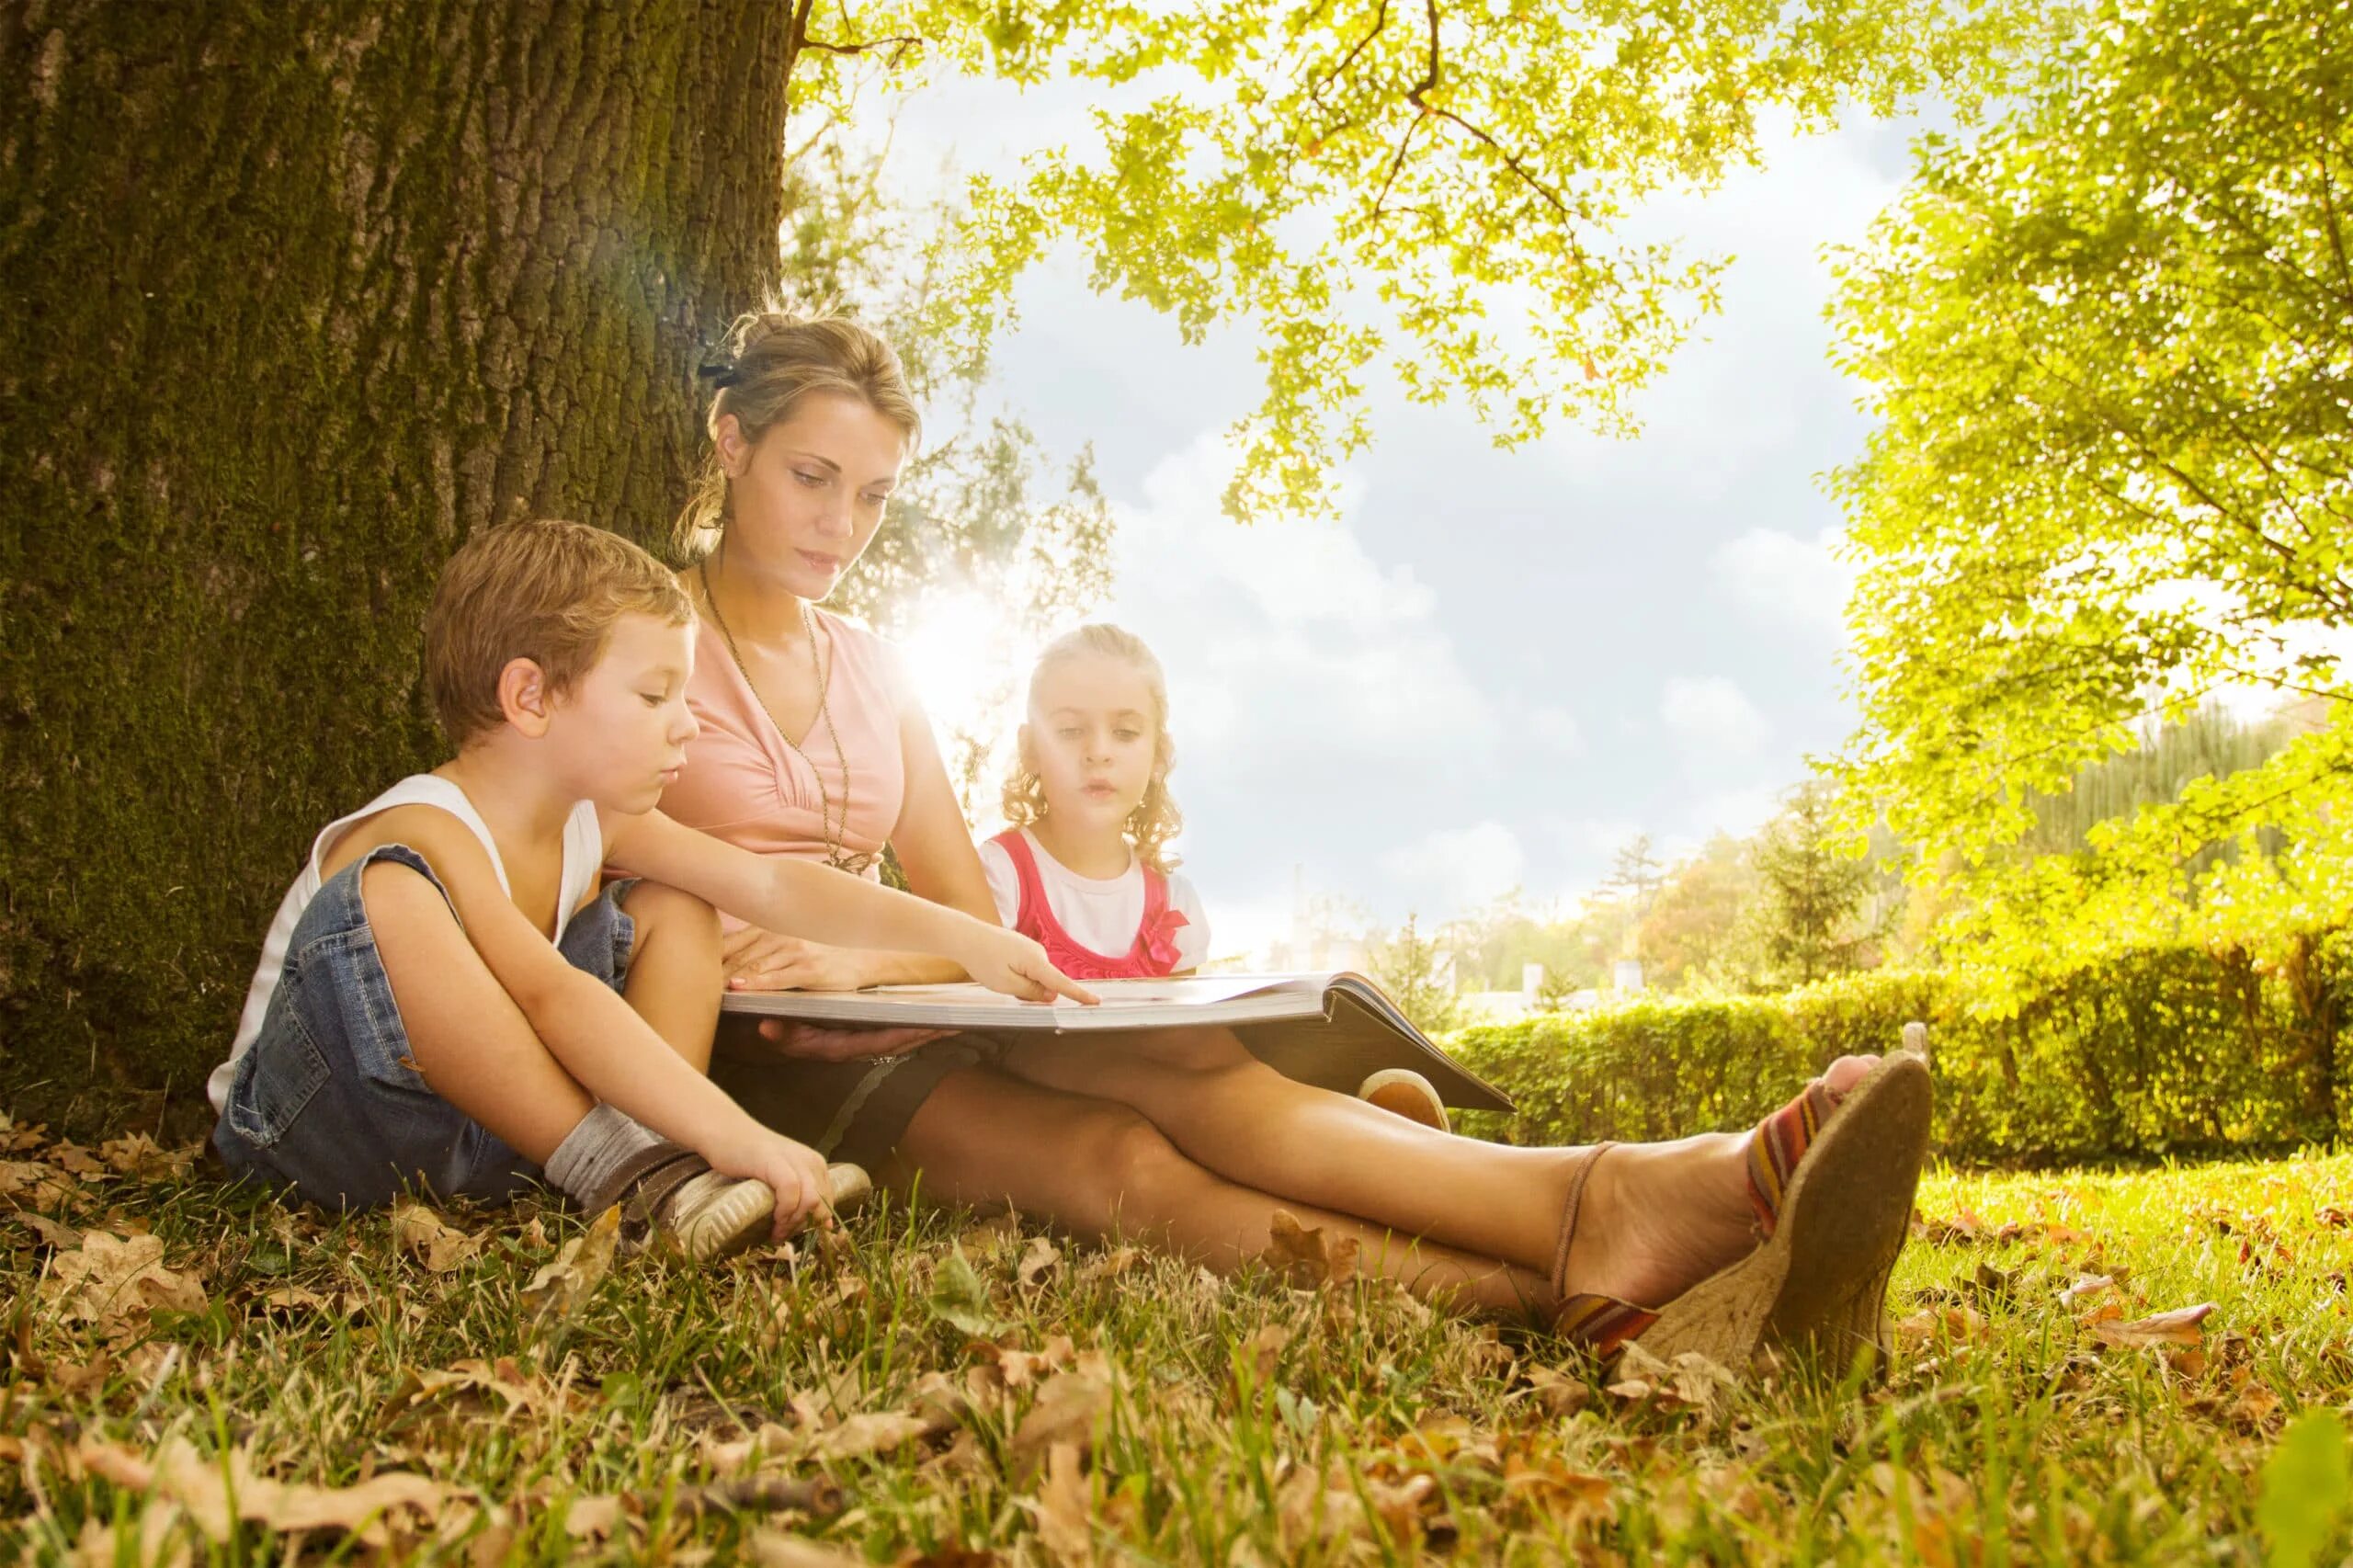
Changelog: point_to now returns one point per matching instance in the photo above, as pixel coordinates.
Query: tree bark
(291, 299)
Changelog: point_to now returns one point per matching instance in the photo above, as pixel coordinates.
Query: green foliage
(2148, 1053)
(1694, 932)
(1417, 975)
(2307, 1489)
(1811, 883)
(1436, 189)
(2105, 345)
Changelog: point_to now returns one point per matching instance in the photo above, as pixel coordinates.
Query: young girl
(1084, 869)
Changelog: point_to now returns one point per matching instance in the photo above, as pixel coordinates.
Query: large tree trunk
(293, 298)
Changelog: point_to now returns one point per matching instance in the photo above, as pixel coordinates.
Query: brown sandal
(1831, 1178)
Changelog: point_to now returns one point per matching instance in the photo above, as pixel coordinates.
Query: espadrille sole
(1824, 1271)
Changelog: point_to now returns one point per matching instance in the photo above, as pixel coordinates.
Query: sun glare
(966, 656)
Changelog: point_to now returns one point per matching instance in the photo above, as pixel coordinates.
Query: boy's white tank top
(584, 856)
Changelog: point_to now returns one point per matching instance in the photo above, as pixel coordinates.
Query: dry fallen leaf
(774, 1549)
(1110, 1264)
(2180, 1327)
(1556, 1393)
(1037, 1261)
(426, 1236)
(1959, 1324)
(115, 1282)
(1691, 1382)
(30, 1184)
(1548, 1488)
(2085, 1287)
(876, 1433)
(1307, 1258)
(216, 1496)
(1062, 1509)
(556, 1291)
(593, 1518)
(1069, 1407)
(136, 1154)
(153, 1542)
(74, 1158)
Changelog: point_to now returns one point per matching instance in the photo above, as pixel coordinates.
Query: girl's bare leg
(1657, 1217)
(1098, 1169)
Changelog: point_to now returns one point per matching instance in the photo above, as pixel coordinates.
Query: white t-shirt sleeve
(1193, 936)
(1005, 882)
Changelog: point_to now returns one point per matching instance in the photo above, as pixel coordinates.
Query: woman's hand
(1009, 962)
(762, 960)
(817, 1042)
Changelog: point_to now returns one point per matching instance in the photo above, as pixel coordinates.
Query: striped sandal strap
(1602, 1325)
(1779, 1143)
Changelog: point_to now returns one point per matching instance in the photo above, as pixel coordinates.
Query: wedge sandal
(1831, 1178)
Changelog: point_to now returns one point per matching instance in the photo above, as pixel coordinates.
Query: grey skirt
(845, 1111)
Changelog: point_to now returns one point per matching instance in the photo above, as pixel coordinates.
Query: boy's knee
(653, 906)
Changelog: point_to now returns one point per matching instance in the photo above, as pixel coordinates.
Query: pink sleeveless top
(742, 783)
(1153, 954)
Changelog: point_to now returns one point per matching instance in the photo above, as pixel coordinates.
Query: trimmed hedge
(2176, 1051)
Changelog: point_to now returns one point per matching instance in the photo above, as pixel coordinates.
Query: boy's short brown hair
(547, 591)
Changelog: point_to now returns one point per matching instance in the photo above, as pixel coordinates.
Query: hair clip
(720, 373)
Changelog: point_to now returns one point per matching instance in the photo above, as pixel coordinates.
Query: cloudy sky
(1496, 666)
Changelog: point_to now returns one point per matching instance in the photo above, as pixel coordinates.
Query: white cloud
(1712, 719)
(1289, 648)
(1460, 867)
(1787, 581)
(1556, 729)
(1739, 813)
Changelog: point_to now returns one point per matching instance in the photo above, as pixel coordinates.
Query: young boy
(436, 1003)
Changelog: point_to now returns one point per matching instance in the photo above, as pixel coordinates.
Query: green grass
(1239, 1421)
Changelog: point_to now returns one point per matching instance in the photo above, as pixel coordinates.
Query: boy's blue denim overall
(329, 1101)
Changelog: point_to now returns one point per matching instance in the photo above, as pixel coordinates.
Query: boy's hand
(795, 1172)
(1010, 962)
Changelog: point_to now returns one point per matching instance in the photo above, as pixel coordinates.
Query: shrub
(2163, 1052)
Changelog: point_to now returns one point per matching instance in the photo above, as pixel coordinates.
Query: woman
(813, 745)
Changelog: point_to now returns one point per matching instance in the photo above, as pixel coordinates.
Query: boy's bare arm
(803, 900)
(587, 1027)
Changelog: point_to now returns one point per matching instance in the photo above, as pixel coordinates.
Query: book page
(1192, 992)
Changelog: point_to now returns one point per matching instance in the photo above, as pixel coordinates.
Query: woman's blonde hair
(1155, 821)
(768, 363)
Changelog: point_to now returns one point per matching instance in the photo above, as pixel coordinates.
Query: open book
(1328, 1030)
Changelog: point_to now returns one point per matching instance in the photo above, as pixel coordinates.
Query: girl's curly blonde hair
(1155, 821)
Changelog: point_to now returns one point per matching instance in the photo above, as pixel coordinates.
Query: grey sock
(584, 1164)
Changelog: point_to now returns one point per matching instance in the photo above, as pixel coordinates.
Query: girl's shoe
(1403, 1092)
(1831, 1178)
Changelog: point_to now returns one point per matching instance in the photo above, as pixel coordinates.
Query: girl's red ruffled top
(1153, 953)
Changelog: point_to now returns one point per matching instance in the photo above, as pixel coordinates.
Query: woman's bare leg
(1657, 1217)
(1098, 1169)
